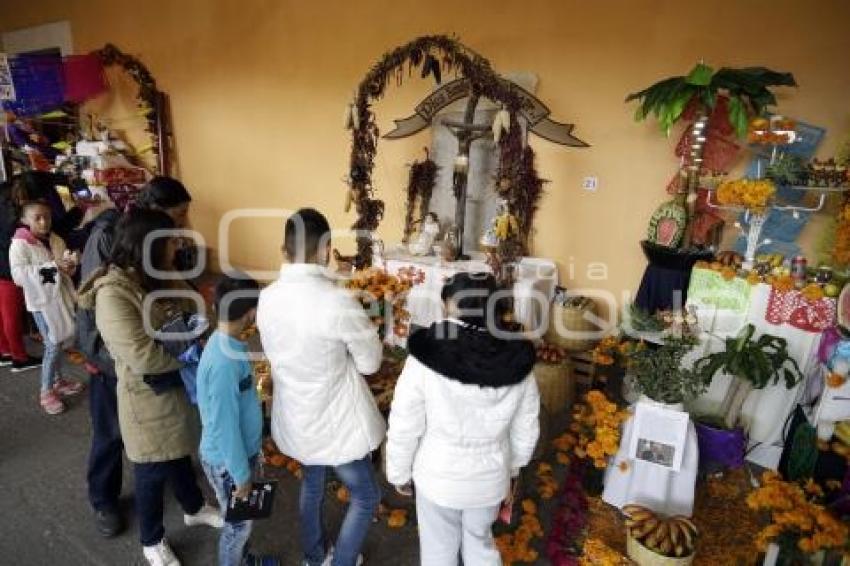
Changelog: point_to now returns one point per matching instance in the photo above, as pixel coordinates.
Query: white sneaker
(160, 554)
(207, 515)
(329, 558)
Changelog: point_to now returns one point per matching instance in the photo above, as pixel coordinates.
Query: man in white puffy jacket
(464, 420)
(320, 342)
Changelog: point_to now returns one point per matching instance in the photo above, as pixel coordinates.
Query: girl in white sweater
(42, 266)
(464, 421)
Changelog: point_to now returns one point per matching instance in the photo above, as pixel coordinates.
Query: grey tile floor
(45, 518)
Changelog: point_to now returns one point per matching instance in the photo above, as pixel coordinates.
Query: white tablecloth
(664, 491)
(533, 290)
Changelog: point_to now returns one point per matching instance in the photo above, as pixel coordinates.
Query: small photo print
(659, 436)
(656, 452)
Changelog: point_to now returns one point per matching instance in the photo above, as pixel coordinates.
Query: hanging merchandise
(7, 87)
(84, 78)
(38, 82)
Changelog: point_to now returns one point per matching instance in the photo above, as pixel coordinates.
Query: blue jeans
(234, 535)
(359, 478)
(51, 363)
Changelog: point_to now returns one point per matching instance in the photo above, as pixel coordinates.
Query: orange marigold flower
(753, 278)
(812, 292)
(813, 488)
(784, 283)
(728, 273)
(624, 466)
(835, 379)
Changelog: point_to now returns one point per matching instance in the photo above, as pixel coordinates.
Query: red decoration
(84, 77)
(115, 176)
(791, 307)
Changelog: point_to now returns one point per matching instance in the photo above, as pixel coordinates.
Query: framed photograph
(659, 436)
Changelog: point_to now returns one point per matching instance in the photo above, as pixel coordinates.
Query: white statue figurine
(427, 235)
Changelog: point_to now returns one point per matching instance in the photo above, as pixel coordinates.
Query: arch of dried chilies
(517, 180)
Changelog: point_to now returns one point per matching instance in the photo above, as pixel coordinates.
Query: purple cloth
(720, 447)
(829, 340)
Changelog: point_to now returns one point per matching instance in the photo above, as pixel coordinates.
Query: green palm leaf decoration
(747, 89)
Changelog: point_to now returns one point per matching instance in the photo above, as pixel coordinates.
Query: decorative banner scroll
(531, 108)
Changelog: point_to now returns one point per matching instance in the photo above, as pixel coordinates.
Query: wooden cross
(466, 132)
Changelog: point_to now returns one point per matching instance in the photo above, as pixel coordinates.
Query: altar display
(746, 346)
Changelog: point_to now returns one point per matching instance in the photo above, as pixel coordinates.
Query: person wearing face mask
(154, 413)
(170, 196)
(105, 463)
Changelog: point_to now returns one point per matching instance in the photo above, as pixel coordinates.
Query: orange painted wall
(258, 89)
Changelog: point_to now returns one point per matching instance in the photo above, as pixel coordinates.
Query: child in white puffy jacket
(42, 266)
(464, 421)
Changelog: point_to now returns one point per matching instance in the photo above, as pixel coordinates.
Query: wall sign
(531, 108)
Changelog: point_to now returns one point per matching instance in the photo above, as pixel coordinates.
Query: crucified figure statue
(466, 132)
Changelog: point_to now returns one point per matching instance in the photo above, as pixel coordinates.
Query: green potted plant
(754, 363)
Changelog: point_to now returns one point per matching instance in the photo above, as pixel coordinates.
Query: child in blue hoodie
(230, 412)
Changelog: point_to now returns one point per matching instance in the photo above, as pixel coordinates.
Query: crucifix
(466, 132)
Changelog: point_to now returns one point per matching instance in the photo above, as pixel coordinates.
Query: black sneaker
(30, 363)
(108, 522)
(5, 361)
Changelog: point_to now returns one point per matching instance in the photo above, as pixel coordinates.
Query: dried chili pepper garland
(436, 54)
(148, 93)
(420, 185)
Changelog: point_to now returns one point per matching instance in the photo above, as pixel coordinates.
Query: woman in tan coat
(153, 409)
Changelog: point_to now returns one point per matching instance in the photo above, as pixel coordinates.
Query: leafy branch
(661, 376)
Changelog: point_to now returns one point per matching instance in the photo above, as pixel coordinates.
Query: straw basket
(646, 557)
(556, 384)
(570, 320)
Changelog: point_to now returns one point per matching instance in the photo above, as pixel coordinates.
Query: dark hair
(128, 248)
(163, 192)
(24, 205)
(235, 295)
(476, 292)
(23, 193)
(304, 231)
